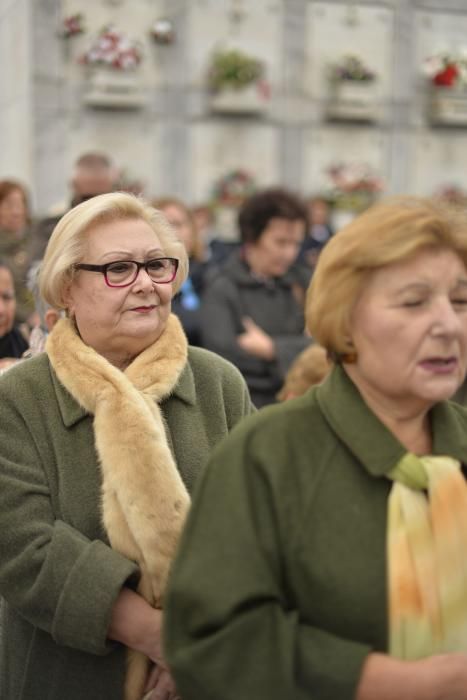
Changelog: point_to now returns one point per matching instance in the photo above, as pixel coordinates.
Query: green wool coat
(278, 591)
(58, 574)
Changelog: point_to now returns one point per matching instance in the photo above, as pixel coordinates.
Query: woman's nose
(143, 280)
(448, 319)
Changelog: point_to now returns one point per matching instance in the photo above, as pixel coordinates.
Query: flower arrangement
(446, 70)
(353, 186)
(72, 25)
(452, 194)
(350, 68)
(233, 69)
(232, 189)
(114, 50)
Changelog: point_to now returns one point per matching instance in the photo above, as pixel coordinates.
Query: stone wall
(174, 141)
(16, 137)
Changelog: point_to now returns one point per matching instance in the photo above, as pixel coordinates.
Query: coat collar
(369, 440)
(72, 412)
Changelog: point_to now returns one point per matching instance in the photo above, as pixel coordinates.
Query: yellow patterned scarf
(427, 557)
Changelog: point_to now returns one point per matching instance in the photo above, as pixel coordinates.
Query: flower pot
(352, 100)
(246, 100)
(107, 87)
(448, 107)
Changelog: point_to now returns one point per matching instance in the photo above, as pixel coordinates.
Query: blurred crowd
(244, 297)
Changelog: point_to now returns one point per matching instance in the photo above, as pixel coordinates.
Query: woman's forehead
(122, 234)
(6, 278)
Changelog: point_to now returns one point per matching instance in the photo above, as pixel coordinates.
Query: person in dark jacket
(93, 173)
(15, 241)
(12, 341)
(252, 311)
(187, 303)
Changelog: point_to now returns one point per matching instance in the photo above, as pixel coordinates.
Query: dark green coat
(58, 574)
(279, 588)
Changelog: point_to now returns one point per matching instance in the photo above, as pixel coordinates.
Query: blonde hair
(67, 243)
(392, 231)
(310, 367)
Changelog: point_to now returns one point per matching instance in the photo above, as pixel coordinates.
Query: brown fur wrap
(144, 501)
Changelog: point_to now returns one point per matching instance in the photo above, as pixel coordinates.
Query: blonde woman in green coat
(101, 439)
(324, 556)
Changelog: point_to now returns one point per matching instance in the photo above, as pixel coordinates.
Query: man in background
(93, 173)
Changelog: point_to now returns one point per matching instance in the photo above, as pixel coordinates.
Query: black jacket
(276, 305)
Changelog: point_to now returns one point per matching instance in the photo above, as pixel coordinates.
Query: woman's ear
(51, 317)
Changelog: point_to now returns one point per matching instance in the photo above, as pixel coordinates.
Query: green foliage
(234, 69)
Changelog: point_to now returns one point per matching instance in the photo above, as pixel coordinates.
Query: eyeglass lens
(125, 271)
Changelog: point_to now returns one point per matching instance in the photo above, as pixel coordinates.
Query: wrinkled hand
(255, 341)
(160, 685)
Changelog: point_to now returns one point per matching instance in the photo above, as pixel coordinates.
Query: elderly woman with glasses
(101, 439)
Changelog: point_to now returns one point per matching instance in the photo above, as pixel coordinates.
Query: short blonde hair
(391, 231)
(310, 367)
(68, 240)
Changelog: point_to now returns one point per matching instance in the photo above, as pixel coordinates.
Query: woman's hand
(160, 685)
(137, 625)
(440, 677)
(444, 676)
(255, 341)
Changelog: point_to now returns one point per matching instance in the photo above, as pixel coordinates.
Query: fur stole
(144, 501)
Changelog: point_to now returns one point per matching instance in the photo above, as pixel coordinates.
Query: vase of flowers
(446, 74)
(351, 188)
(112, 61)
(351, 90)
(453, 194)
(236, 83)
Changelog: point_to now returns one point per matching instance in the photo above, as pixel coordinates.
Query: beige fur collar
(144, 501)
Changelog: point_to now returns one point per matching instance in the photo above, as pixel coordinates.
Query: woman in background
(15, 241)
(187, 303)
(12, 341)
(319, 231)
(252, 311)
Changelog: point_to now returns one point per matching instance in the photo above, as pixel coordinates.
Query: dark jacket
(283, 559)
(275, 305)
(58, 574)
(13, 344)
(187, 303)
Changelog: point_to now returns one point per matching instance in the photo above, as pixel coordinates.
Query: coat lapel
(373, 445)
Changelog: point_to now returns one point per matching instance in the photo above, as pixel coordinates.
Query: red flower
(448, 76)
